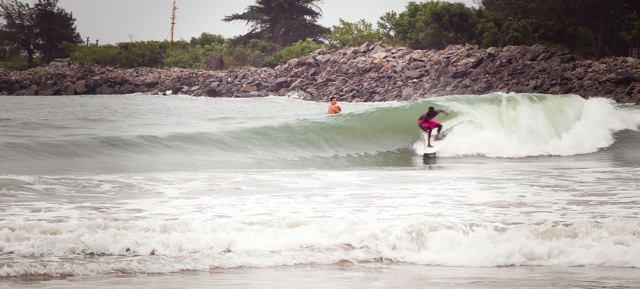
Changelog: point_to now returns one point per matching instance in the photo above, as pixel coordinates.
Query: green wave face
(493, 126)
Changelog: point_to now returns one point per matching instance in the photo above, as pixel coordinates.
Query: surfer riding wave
(427, 124)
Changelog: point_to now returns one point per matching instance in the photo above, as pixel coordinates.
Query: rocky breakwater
(369, 73)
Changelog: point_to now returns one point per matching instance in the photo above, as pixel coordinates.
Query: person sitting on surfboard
(334, 108)
(426, 123)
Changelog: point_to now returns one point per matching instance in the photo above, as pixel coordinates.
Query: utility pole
(173, 19)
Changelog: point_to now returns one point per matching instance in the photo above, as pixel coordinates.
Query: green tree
(563, 21)
(434, 25)
(102, 55)
(206, 39)
(387, 26)
(353, 34)
(595, 15)
(281, 21)
(54, 26)
(134, 54)
(184, 55)
(19, 30)
(627, 36)
(515, 10)
(488, 30)
(39, 30)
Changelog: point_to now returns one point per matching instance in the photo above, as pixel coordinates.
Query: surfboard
(435, 146)
(435, 143)
(429, 155)
(432, 150)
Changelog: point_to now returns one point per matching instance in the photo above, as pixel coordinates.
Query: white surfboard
(431, 150)
(435, 146)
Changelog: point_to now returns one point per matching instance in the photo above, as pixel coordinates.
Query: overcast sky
(113, 21)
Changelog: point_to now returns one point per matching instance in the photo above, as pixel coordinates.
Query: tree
(353, 34)
(603, 18)
(150, 53)
(434, 25)
(37, 30)
(207, 39)
(54, 26)
(515, 10)
(627, 34)
(595, 15)
(387, 27)
(19, 31)
(282, 21)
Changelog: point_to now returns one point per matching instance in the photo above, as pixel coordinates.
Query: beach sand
(354, 276)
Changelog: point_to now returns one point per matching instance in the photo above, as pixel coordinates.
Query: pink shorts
(427, 125)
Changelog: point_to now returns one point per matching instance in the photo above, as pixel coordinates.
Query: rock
(68, 89)
(248, 89)
(460, 73)
(413, 74)
(152, 82)
(81, 87)
(105, 90)
(178, 89)
(323, 58)
(47, 89)
(213, 92)
(380, 55)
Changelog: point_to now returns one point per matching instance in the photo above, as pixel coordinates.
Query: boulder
(81, 87)
(68, 89)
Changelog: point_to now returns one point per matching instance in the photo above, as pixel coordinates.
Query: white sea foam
(169, 246)
(196, 221)
(515, 126)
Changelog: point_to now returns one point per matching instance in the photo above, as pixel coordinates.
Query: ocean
(149, 191)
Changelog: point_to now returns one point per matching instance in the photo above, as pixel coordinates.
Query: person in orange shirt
(334, 108)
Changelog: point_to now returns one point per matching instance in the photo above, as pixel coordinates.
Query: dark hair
(431, 107)
(332, 98)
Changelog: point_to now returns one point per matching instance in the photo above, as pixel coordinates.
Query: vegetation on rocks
(281, 30)
(431, 48)
(369, 73)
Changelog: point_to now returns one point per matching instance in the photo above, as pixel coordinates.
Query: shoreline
(376, 275)
(369, 73)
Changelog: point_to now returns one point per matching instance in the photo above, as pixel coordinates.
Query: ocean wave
(493, 126)
(171, 246)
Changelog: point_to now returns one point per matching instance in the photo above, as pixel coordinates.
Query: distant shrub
(296, 50)
(102, 55)
(150, 53)
(14, 63)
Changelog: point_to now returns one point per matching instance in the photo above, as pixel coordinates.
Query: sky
(114, 21)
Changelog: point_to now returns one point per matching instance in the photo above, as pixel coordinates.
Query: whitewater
(527, 191)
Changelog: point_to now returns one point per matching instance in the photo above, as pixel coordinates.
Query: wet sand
(354, 276)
